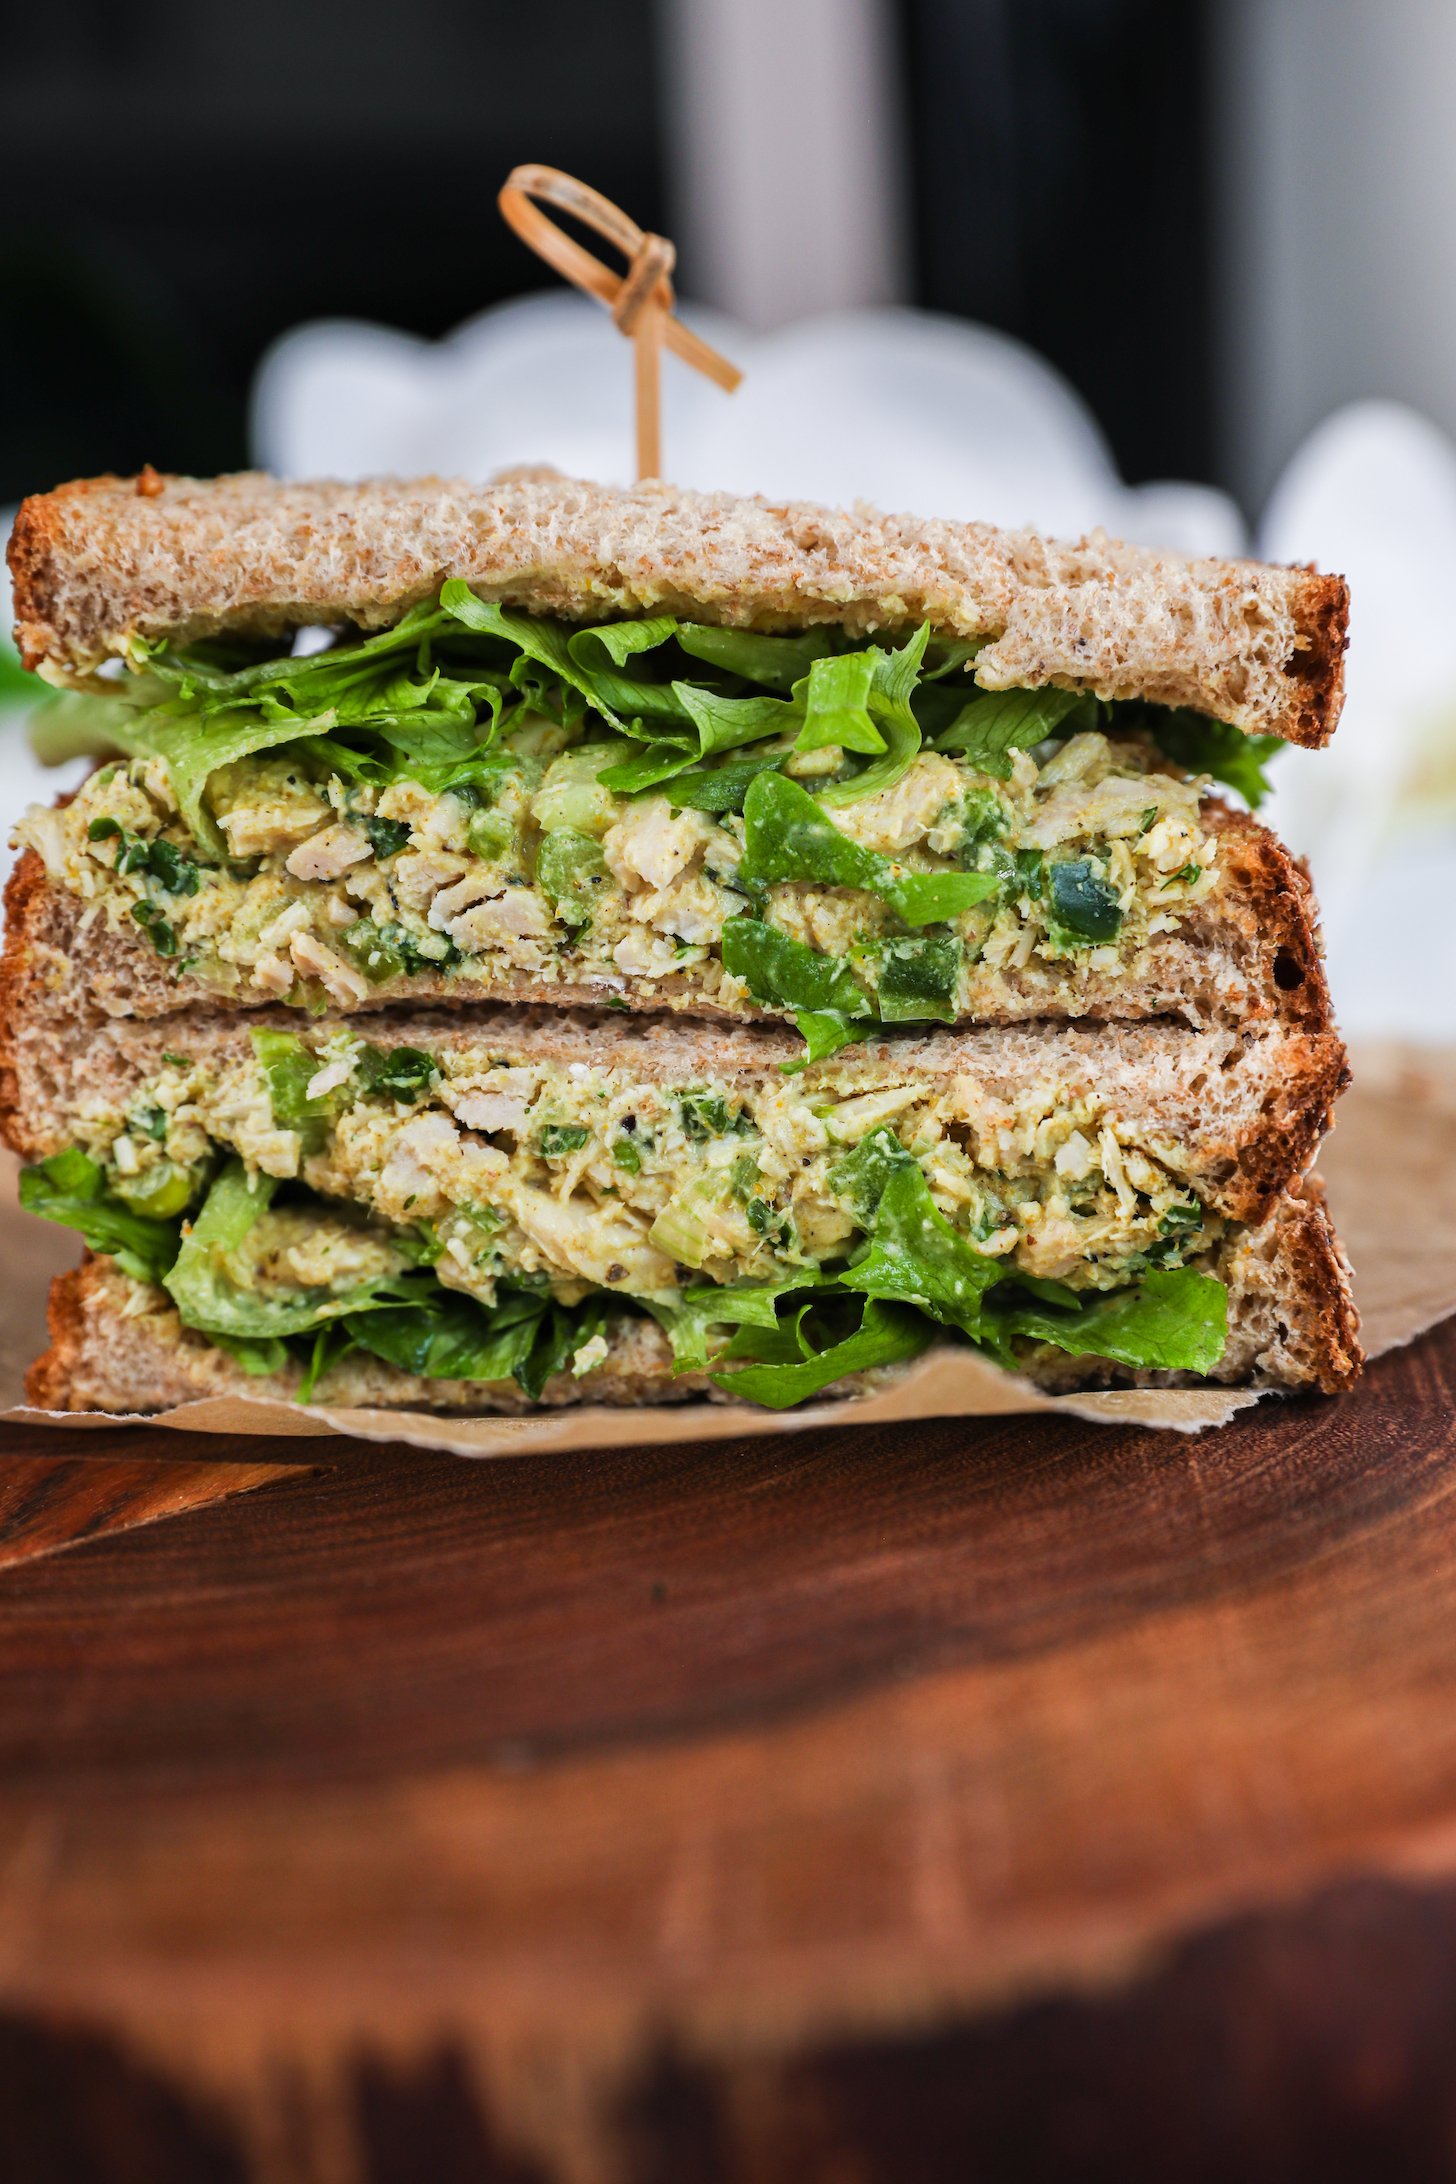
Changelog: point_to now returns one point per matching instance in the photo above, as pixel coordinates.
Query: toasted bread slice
(117, 1345)
(105, 559)
(1249, 955)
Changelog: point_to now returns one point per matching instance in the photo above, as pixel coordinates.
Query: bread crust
(118, 1346)
(102, 559)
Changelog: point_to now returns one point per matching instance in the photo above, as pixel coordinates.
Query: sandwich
(661, 750)
(536, 943)
(533, 1207)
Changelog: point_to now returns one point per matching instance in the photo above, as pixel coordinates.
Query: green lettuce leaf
(1173, 1320)
(896, 679)
(915, 1255)
(210, 685)
(720, 788)
(602, 653)
(835, 696)
(451, 1337)
(887, 1335)
(689, 1318)
(1170, 1321)
(995, 723)
(861, 1176)
(70, 1188)
(776, 662)
(782, 973)
(257, 1354)
(902, 746)
(726, 724)
(204, 1281)
(548, 644)
(719, 723)
(824, 1032)
(289, 1067)
(787, 838)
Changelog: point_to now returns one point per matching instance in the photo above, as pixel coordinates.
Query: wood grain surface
(49, 1502)
(1007, 1799)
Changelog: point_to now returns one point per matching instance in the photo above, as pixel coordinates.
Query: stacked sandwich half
(536, 943)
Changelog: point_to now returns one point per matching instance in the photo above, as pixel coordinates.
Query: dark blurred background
(1220, 219)
(188, 180)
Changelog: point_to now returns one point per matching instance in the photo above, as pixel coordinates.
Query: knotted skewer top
(640, 300)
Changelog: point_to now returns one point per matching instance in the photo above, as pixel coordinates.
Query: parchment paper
(1390, 1166)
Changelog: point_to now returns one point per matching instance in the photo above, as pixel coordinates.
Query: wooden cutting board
(994, 1799)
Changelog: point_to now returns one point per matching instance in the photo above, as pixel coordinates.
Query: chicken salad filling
(800, 824)
(484, 1215)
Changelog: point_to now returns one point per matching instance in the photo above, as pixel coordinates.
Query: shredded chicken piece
(329, 854)
(340, 981)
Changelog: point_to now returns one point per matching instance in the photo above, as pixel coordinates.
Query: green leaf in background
(17, 685)
(1200, 745)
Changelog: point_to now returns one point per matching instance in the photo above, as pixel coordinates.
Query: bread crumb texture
(98, 561)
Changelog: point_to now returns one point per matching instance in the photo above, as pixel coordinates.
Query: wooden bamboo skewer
(640, 300)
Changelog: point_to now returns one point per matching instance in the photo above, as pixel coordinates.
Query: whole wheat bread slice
(117, 1345)
(106, 558)
(1250, 954)
(1245, 1111)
